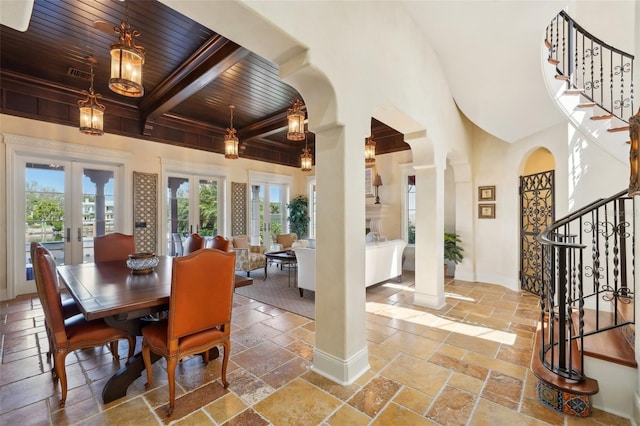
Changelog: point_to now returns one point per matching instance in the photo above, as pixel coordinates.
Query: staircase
(591, 83)
(587, 311)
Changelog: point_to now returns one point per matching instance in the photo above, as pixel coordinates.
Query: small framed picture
(486, 211)
(369, 175)
(487, 193)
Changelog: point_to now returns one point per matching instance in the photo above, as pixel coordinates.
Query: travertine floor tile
(297, 403)
(449, 364)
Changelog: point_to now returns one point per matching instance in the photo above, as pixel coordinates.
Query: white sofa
(383, 262)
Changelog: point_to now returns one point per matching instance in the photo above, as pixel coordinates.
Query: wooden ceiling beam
(205, 65)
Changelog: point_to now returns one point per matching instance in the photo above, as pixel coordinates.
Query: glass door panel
(208, 207)
(44, 207)
(98, 208)
(178, 213)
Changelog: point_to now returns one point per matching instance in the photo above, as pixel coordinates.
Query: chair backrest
(306, 258)
(286, 240)
(194, 242)
(202, 286)
(110, 247)
(46, 276)
(221, 243)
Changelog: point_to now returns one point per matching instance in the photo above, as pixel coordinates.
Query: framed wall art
(486, 211)
(487, 193)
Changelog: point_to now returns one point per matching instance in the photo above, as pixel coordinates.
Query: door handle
(79, 234)
(68, 237)
(191, 229)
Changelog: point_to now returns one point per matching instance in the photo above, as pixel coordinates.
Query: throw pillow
(241, 242)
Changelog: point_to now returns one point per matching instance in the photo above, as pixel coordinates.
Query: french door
(193, 205)
(268, 211)
(62, 204)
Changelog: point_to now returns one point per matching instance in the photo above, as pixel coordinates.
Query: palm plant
(452, 249)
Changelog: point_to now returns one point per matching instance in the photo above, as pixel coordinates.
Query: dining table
(124, 300)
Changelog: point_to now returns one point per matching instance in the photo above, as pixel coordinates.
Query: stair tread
(588, 386)
(607, 345)
(562, 77)
(618, 129)
(587, 105)
(573, 92)
(553, 61)
(602, 117)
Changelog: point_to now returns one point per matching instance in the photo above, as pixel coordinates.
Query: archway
(537, 211)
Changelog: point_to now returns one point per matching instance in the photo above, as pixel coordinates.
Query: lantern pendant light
(91, 111)
(231, 140)
(306, 159)
(370, 150)
(295, 117)
(127, 59)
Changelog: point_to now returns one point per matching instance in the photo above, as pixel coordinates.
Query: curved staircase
(584, 349)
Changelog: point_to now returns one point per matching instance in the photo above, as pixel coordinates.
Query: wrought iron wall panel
(536, 213)
(145, 211)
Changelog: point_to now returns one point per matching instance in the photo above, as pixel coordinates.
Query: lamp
(306, 159)
(91, 111)
(126, 62)
(231, 140)
(369, 150)
(295, 117)
(377, 182)
(634, 154)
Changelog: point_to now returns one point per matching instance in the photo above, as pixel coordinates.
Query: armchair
(285, 241)
(248, 257)
(306, 258)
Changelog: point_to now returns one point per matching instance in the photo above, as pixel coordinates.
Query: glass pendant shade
(370, 150)
(306, 160)
(231, 141)
(91, 111)
(231, 145)
(295, 117)
(126, 63)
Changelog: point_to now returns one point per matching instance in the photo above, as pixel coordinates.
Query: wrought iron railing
(587, 266)
(602, 72)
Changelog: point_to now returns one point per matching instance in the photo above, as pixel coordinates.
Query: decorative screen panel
(238, 208)
(145, 211)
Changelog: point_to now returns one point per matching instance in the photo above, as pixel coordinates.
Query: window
(410, 203)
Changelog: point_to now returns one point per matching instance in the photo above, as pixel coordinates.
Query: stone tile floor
(465, 364)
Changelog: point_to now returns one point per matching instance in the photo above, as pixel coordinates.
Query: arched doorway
(537, 211)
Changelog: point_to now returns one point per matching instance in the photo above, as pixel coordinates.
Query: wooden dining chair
(199, 315)
(68, 335)
(69, 306)
(110, 247)
(221, 243)
(192, 243)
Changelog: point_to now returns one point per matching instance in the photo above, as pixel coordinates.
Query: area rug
(276, 291)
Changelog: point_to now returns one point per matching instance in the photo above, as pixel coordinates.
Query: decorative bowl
(142, 263)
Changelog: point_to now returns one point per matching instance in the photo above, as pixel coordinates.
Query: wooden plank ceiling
(191, 76)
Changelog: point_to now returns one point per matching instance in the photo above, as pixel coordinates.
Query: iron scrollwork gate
(536, 213)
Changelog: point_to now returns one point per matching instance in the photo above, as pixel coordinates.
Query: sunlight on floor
(416, 316)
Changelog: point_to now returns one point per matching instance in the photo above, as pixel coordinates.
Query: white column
(340, 352)
(429, 262)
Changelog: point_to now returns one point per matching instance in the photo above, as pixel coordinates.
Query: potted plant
(452, 249)
(299, 216)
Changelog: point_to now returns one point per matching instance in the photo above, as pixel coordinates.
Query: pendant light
(306, 159)
(370, 150)
(295, 117)
(91, 111)
(231, 140)
(126, 62)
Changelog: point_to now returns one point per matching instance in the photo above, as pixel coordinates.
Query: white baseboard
(343, 372)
